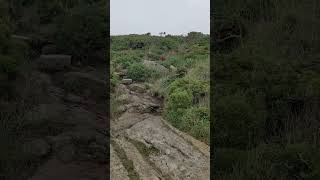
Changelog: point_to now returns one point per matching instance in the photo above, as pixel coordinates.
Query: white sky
(154, 16)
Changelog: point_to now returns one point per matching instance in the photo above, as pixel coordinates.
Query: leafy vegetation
(138, 72)
(82, 31)
(185, 88)
(265, 89)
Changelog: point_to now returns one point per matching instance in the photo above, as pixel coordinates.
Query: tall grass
(274, 70)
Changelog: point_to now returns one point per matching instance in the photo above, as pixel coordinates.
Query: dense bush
(179, 100)
(265, 89)
(114, 80)
(83, 31)
(196, 121)
(126, 58)
(183, 107)
(242, 126)
(138, 72)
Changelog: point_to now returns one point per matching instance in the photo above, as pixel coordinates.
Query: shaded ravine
(147, 147)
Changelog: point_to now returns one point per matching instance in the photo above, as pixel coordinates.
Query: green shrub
(114, 80)
(193, 120)
(160, 86)
(179, 99)
(225, 159)
(237, 125)
(194, 87)
(268, 161)
(138, 72)
(175, 116)
(126, 58)
(82, 31)
(196, 121)
(176, 60)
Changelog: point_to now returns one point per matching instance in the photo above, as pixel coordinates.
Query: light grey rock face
(122, 108)
(178, 157)
(173, 68)
(174, 155)
(123, 98)
(122, 89)
(126, 81)
(141, 166)
(117, 170)
(137, 88)
(156, 66)
(52, 63)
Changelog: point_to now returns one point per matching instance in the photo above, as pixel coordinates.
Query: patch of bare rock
(178, 155)
(74, 145)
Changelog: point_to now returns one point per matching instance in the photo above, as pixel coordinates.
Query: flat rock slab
(178, 155)
(126, 121)
(117, 170)
(156, 66)
(126, 81)
(140, 88)
(179, 158)
(145, 171)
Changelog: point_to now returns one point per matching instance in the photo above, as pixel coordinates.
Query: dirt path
(80, 151)
(146, 147)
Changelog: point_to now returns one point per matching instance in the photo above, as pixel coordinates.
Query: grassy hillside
(182, 82)
(266, 103)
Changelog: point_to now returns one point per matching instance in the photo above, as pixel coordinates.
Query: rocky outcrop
(53, 63)
(173, 68)
(141, 166)
(156, 66)
(156, 149)
(139, 88)
(73, 126)
(117, 170)
(126, 81)
(85, 85)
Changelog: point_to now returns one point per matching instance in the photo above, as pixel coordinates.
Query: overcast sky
(154, 16)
